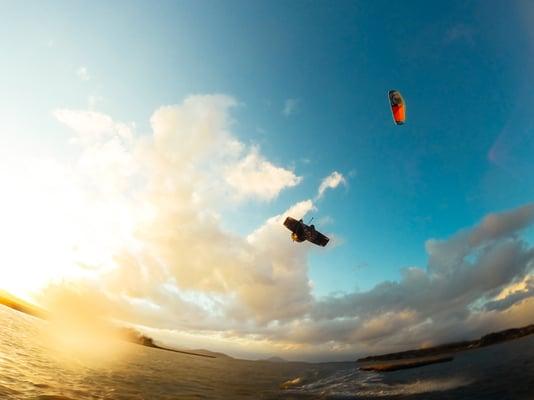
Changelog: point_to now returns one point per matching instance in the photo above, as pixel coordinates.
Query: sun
(37, 218)
(57, 217)
(52, 225)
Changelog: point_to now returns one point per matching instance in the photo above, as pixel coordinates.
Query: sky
(150, 152)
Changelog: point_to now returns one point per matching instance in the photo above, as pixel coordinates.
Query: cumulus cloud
(179, 262)
(254, 176)
(502, 224)
(445, 254)
(290, 106)
(513, 295)
(169, 263)
(332, 181)
(470, 267)
(90, 125)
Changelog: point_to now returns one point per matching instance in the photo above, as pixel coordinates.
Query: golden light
(49, 226)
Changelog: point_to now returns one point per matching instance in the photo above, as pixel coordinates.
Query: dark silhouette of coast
(131, 335)
(448, 348)
(128, 334)
(437, 354)
(405, 364)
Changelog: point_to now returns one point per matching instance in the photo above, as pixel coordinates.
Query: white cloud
(290, 106)
(169, 264)
(254, 176)
(497, 225)
(461, 273)
(332, 181)
(85, 122)
(513, 294)
(83, 73)
(92, 126)
(177, 240)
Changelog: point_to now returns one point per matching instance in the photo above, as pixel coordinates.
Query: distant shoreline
(130, 335)
(190, 353)
(405, 364)
(133, 336)
(486, 340)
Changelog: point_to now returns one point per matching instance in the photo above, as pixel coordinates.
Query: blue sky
(464, 71)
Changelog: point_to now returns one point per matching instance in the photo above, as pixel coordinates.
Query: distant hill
(276, 359)
(133, 336)
(210, 353)
(201, 353)
(486, 340)
(128, 334)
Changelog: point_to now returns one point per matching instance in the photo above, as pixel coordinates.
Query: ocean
(29, 369)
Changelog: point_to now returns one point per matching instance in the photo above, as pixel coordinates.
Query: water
(29, 370)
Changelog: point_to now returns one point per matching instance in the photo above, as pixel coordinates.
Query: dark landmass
(191, 353)
(133, 336)
(275, 359)
(405, 364)
(128, 334)
(213, 354)
(487, 340)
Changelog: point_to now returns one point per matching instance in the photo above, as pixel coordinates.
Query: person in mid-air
(301, 232)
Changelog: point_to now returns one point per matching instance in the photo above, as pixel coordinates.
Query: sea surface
(30, 370)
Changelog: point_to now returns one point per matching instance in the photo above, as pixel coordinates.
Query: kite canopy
(398, 108)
